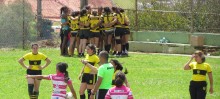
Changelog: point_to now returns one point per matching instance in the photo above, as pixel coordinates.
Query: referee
(34, 68)
(198, 85)
(105, 73)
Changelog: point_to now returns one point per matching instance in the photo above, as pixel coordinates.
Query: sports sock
(83, 96)
(89, 93)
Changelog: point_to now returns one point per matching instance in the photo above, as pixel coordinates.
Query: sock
(127, 46)
(89, 93)
(30, 91)
(109, 47)
(106, 47)
(36, 94)
(83, 96)
(123, 47)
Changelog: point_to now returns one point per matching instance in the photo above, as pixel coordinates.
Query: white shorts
(57, 97)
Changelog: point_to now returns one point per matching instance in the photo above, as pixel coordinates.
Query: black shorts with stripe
(34, 72)
(127, 31)
(74, 33)
(89, 78)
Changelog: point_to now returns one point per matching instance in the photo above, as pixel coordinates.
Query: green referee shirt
(106, 72)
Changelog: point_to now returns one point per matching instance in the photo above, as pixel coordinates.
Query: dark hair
(121, 10)
(34, 45)
(63, 9)
(119, 66)
(95, 13)
(107, 10)
(201, 54)
(87, 7)
(83, 12)
(114, 9)
(92, 47)
(118, 12)
(104, 54)
(119, 79)
(62, 67)
(100, 8)
(75, 13)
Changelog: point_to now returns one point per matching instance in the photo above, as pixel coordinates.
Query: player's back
(122, 92)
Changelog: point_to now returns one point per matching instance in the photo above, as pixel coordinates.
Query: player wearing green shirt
(105, 73)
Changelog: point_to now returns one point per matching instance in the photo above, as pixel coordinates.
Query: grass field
(151, 76)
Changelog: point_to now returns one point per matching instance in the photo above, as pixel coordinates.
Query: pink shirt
(119, 93)
(59, 86)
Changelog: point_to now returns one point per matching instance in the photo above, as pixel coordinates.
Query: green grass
(151, 76)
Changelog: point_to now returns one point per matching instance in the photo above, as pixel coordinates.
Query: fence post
(191, 16)
(136, 15)
(39, 18)
(192, 20)
(83, 3)
(136, 21)
(23, 32)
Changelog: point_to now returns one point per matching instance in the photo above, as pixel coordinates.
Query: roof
(51, 8)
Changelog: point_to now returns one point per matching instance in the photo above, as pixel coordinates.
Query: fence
(19, 21)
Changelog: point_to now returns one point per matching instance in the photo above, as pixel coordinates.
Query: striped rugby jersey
(59, 86)
(119, 93)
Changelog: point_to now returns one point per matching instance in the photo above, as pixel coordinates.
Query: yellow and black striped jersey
(74, 24)
(84, 20)
(35, 59)
(93, 60)
(127, 19)
(107, 18)
(120, 20)
(94, 20)
(200, 71)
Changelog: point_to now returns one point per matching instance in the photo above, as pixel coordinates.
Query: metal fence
(19, 18)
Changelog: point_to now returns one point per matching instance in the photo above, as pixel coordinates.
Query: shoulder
(41, 54)
(30, 53)
(207, 64)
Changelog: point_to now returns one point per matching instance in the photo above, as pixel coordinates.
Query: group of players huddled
(106, 28)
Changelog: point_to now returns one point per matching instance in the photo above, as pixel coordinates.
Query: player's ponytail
(119, 66)
(66, 76)
(119, 79)
(62, 67)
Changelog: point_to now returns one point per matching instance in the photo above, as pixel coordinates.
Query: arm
(108, 96)
(98, 83)
(80, 75)
(114, 21)
(21, 62)
(72, 90)
(211, 82)
(48, 61)
(93, 68)
(38, 76)
(187, 67)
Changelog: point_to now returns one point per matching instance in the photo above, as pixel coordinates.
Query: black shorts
(74, 33)
(127, 31)
(95, 34)
(89, 78)
(198, 89)
(84, 34)
(109, 32)
(101, 93)
(34, 72)
(119, 31)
